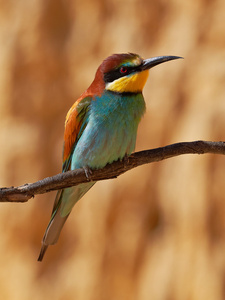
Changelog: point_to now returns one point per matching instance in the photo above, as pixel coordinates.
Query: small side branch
(25, 192)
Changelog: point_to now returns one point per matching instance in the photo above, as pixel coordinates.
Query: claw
(87, 172)
(126, 159)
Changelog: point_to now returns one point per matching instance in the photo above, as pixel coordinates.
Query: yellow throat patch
(133, 83)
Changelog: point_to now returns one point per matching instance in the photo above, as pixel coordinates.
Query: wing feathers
(75, 119)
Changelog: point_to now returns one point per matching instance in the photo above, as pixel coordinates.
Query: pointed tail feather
(65, 200)
(54, 227)
(42, 252)
(52, 232)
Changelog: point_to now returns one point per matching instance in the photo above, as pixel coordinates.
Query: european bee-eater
(101, 127)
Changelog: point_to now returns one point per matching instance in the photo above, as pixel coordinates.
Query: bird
(101, 127)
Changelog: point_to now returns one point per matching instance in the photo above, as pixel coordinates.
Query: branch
(25, 192)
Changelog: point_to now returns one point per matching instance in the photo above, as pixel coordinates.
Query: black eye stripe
(116, 74)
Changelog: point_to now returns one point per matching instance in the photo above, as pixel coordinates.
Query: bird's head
(126, 73)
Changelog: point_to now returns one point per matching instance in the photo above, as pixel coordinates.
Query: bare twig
(25, 192)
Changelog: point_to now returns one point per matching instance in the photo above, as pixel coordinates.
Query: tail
(64, 202)
(52, 233)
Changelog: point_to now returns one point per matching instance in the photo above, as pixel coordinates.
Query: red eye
(123, 70)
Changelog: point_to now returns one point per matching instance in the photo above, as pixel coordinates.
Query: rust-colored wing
(76, 121)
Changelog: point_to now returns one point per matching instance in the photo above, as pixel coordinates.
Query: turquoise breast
(111, 130)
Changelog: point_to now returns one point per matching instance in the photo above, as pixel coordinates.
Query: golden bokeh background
(158, 231)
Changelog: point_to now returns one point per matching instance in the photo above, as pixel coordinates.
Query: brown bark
(75, 177)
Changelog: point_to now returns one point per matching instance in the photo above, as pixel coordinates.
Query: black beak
(154, 61)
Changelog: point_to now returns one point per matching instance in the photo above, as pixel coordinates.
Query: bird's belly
(100, 145)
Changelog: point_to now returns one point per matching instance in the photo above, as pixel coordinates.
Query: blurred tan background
(157, 232)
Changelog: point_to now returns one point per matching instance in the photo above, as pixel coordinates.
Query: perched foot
(87, 172)
(126, 159)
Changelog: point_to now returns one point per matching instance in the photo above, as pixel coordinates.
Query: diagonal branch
(25, 192)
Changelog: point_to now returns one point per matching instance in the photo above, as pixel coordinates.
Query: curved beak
(154, 61)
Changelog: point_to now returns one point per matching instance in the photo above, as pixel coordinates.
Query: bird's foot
(126, 159)
(87, 172)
